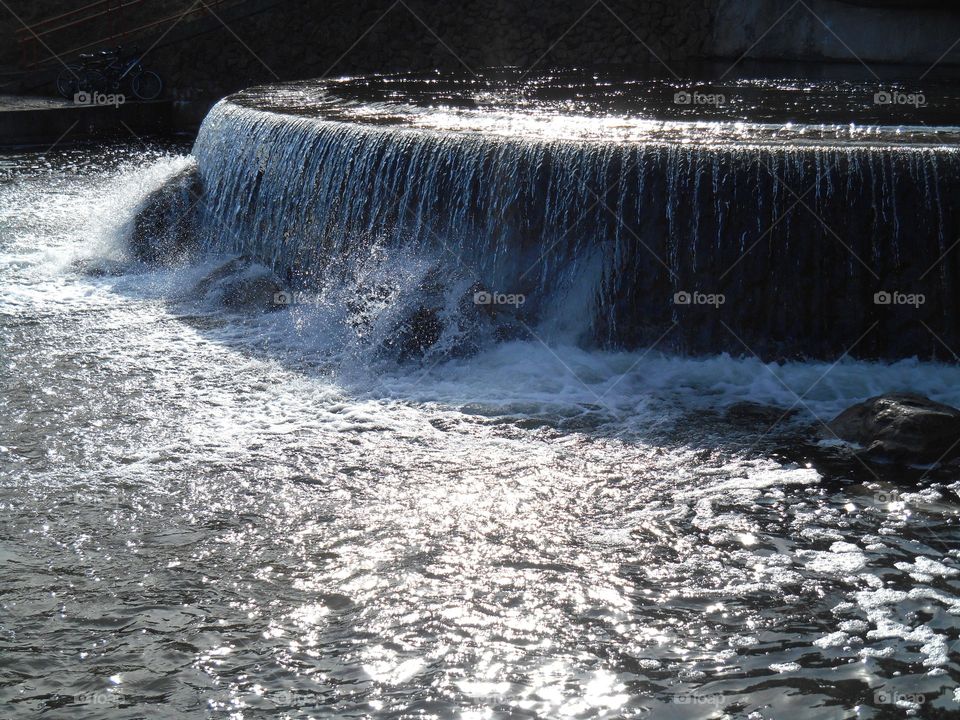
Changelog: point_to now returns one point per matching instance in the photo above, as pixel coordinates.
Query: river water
(216, 514)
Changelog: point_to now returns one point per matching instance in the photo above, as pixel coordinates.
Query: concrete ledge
(45, 121)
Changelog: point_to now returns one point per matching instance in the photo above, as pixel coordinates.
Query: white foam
(834, 563)
(630, 382)
(834, 639)
(787, 667)
(923, 569)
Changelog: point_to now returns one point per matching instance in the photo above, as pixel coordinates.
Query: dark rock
(165, 227)
(464, 316)
(256, 289)
(418, 333)
(903, 427)
(241, 284)
(231, 267)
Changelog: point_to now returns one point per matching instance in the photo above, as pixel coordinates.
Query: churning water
(235, 514)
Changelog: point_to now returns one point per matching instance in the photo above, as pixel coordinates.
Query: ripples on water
(215, 515)
(609, 106)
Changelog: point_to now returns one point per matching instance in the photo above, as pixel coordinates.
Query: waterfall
(782, 250)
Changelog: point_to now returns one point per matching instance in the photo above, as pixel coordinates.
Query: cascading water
(618, 231)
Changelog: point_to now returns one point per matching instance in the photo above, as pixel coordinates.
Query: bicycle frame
(115, 68)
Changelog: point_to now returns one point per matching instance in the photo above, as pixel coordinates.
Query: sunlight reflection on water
(195, 522)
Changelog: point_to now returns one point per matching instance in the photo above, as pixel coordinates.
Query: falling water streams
(477, 462)
(600, 220)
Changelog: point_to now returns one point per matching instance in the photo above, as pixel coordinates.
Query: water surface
(206, 514)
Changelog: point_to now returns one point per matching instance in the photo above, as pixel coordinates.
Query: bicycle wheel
(147, 85)
(91, 81)
(68, 81)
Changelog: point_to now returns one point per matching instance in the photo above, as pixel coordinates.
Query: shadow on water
(792, 435)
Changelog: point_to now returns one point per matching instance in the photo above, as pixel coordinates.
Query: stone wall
(916, 32)
(296, 39)
(314, 38)
(310, 38)
(15, 13)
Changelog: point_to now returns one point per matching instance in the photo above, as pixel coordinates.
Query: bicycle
(107, 71)
(74, 79)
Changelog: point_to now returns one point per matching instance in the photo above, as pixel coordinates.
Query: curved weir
(615, 225)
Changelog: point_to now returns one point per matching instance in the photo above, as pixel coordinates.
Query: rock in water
(241, 284)
(165, 227)
(902, 426)
(256, 289)
(418, 333)
(232, 267)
